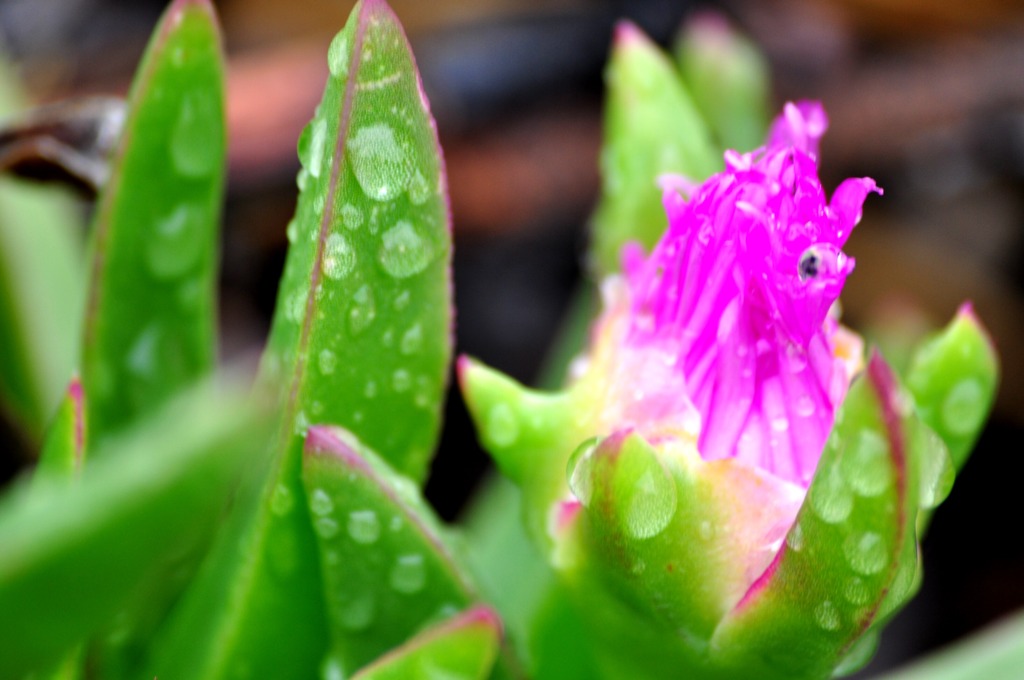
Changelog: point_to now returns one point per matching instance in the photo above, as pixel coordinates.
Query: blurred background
(926, 96)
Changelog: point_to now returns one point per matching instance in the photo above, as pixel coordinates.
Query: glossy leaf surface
(95, 541)
(149, 327)
(464, 647)
(41, 292)
(361, 333)
(651, 127)
(387, 570)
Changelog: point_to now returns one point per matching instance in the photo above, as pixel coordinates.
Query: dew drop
(580, 470)
(351, 218)
(301, 423)
(964, 407)
(401, 380)
(412, 339)
(402, 301)
(327, 361)
(196, 147)
(320, 503)
(408, 575)
(937, 473)
(177, 244)
(830, 499)
(867, 552)
(404, 252)
(652, 504)
(317, 144)
(326, 527)
(281, 501)
(142, 357)
(502, 425)
(363, 526)
(804, 407)
(362, 311)
(337, 56)
(292, 231)
(419, 189)
(296, 307)
(780, 424)
(370, 389)
(866, 464)
(827, 616)
(795, 537)
(357, 613)
(331, 669)
(380, 164)
(339, 257)
(856, 591)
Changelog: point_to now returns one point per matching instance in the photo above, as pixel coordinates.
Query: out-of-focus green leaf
(360, 339)
(65, 444)
(361, 334)
(729, 80)
(386, 568)
(651, 127)
(953, 378)
(464, 648)
(149, 325)
(41, 291)
(76, 552)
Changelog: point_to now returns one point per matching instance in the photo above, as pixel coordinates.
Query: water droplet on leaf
(502, 425)
(363, 526)
(404, 251)
(196, 148)
(338, 56)
(380, 164)
(867, 552)
(339, 257)
(412, 339)
(408, 575)
(964, 407)
(177, 244)
(362, 311)
(320, 503)
(866, 465)
(827, 616)
(327, 361)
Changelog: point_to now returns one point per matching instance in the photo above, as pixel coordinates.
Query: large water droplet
(937, 473)
(404, 251)
(196, 148)
(363, 526)
(795, 537)
(380, 164)
(331, 669)
(412, 339)
(326, 527)
(856, 591)
(827, 616)
(320, 503)
(964, 407)
(408, 575)
(653, 502)
(502, 426)
(339, 257)
(357, 612)
(830, 498)
(580, 470)
(350, 217)
(317, 145)
(866, 465)
(177, 244)
(338, 56)
(327, 361)
(867, 552)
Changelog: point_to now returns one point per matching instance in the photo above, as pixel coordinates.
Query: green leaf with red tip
(851, 553)
(464, 647)
(103, 541)
(387, 570)
(953, 378)
(361, 333)
(651, 127)
(149, 326)
(41, 272)
(64, 448)
(729, 80)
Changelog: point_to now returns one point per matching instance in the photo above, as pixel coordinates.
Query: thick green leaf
(77, 552)
(361, 334)
(464, 648)
(851, 554)
(386, 568)
(64, 448)
(953, 378)
(651, 127)
(41, 292)
(149, 327)
(729, 80)
(360, 338)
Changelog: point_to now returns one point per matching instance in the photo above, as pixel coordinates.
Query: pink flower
(727, 327)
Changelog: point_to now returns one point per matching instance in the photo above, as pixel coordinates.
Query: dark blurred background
(926, 96)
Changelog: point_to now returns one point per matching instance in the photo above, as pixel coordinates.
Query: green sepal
(463, 647)
(953, 378)
(64, 447)
(149, 325)
(527, 432)
(851, 557)
(162, 483)
(729, 81)
(41, 292)
(651, 127)
(361, 335)
(387, 568)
